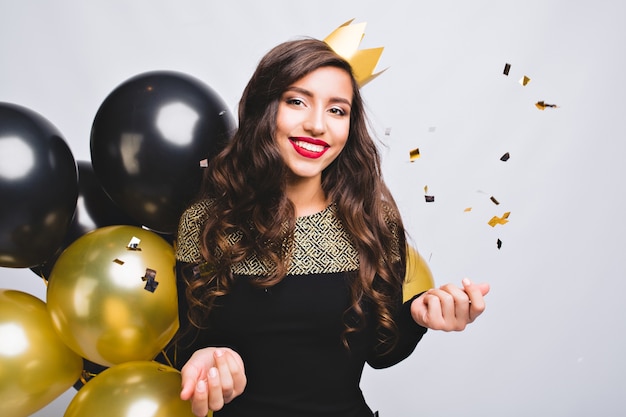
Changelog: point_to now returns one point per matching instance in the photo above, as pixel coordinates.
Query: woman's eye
(337, 111)
(295, 101)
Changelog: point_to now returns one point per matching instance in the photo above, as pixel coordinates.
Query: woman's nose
(315, 123)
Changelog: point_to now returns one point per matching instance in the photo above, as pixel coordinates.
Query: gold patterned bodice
(321, 244)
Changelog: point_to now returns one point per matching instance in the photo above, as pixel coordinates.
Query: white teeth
(309, 146)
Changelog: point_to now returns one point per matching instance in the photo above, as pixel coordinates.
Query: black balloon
(94, 209)
(38, 187)
(148, 139)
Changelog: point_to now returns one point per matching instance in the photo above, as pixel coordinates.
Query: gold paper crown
(345, 42)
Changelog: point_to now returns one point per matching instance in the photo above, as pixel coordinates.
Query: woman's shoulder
(190, 230)
(391, 215)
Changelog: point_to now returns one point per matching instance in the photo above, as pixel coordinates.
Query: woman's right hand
(212, 377)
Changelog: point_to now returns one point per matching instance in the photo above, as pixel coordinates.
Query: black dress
(290, 335)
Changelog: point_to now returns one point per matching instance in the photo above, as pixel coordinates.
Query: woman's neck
(307, 196)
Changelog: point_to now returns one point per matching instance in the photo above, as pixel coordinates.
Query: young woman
(294, 256)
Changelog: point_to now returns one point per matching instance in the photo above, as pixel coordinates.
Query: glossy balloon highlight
(35, 365)
(38, 187)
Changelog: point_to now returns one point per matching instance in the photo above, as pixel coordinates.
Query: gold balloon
(112, 295)
(418, 276)
(35, 365)
(138, 388)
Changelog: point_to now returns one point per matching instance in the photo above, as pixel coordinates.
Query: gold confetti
(496, 202)
(426, 189)
(542, 105)
(118, 261)
(505, 157)
(414, 154)
(495, 220)
(524, 81)
(507, 67)
(467, 209)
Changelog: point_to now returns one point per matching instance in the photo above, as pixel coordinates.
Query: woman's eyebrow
(308, 93)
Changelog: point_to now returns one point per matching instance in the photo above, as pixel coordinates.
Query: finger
(216, 399)
(447, 296)
(226, 379)
(199, 400)
(484, 288)
(237, 371)
(433, 314)
(476, 294)
(189, 378)
(461, 301)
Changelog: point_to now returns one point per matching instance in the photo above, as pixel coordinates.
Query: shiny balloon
(38, 187)
(35, 365)
(418, 276)
(149, 139)
(112, 295)
(94, 209)
(138, 388)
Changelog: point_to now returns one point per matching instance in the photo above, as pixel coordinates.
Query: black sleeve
(409, 335)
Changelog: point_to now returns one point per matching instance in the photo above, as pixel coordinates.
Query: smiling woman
(293, 258)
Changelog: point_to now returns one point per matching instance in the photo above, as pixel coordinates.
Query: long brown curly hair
(247, 181)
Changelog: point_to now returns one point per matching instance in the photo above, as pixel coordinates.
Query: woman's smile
(309, 147)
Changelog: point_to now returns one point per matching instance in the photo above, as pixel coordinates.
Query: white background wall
(551, 342)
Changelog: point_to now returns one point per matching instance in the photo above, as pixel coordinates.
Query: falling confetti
(118, 261)
(204, 163)
(467, 209)
(495, 220)
(388, 131)
(432, 129)
(499, 243)
(505, 157)
(542, 105)
(150, 278)
(414, 154)
(507, 67)
(524, 81)
(493, 199)
(428, 198)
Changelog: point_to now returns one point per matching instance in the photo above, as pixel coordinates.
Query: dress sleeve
(409, 335)
(409, 332)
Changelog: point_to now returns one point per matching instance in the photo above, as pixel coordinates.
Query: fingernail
(213, 372)
(466, 282)
(219, 353)
(201, 386)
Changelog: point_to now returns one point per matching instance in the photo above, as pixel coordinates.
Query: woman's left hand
(449, 307)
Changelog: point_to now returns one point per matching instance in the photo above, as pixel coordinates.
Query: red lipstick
(309, 147)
